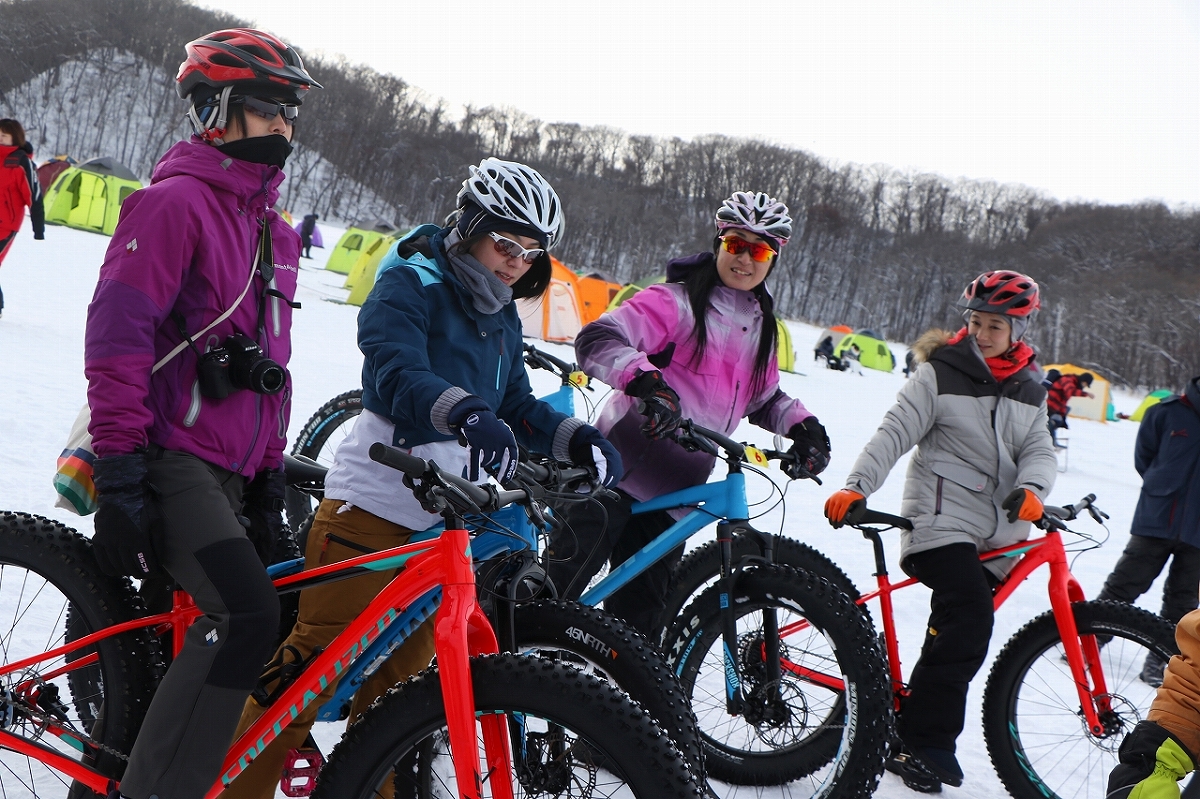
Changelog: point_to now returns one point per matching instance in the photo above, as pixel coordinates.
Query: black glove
(589, 448)
(659, 404)
(810, 445)
(262, 509)
(493, 447)
(1152, 760)
(128, 519)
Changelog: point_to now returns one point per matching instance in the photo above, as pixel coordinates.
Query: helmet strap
(212, 127)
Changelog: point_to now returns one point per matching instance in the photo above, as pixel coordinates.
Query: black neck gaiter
(270, 150)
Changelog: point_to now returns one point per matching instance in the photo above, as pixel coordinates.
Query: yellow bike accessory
(755, 455)
(578, 379)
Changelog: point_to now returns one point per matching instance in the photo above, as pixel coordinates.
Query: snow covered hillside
(48, 284)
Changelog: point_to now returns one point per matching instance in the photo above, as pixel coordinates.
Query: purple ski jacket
(717, 392)
(184, 248)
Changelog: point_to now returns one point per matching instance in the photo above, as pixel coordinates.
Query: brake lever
(1097, 514)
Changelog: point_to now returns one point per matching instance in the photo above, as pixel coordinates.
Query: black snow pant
(956, 643)
(578, 550)
(1142, 562)
(190, 722)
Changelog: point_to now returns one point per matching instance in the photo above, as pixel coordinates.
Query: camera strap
(188, 340)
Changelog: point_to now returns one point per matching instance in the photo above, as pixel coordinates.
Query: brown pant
(325, 611)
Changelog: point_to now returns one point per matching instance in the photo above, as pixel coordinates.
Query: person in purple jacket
(187, 345)
(702, 346)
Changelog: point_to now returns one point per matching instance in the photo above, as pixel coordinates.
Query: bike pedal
(300, 770)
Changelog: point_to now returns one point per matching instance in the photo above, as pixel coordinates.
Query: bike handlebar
(467, 497)
(693, 437)
(1052, 518)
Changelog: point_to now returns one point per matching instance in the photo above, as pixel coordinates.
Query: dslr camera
(237, 364)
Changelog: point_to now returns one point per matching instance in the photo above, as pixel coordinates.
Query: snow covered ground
(48, 284)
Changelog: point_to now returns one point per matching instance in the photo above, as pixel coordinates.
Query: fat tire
(401, 720)
(625, 655)
(860, 758)
(311, 440)
(1002, 724)
(702, 566)
(129, 668)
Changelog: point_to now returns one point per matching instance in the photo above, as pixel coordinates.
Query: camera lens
(267, 377)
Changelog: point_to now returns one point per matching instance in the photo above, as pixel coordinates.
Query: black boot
(914, 773)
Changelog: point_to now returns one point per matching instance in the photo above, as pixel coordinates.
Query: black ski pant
(190, 722)
(605, 530)
(1142, 562)
(956, 643)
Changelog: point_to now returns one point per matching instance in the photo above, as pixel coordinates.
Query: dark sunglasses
(512, 249)
(759, 251)
(269, 109)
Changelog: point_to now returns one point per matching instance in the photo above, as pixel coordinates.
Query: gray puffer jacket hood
(977, 439)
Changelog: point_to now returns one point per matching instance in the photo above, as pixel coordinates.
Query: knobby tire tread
(398, 721)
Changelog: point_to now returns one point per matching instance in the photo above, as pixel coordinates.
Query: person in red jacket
(1059, 394)
(16, 193)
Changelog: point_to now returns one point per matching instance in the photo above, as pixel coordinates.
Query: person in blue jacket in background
(443, 378)
(1166, 522)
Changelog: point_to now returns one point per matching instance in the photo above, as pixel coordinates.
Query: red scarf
(1004, 366)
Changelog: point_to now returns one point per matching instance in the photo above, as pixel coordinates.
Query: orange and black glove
(1023, 504)
(841, 504)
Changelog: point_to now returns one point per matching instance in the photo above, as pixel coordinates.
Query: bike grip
(395, 459)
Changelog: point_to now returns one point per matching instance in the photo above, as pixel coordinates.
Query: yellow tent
(1095, 407)
(357, 238)
(89, 196)
(362, 276)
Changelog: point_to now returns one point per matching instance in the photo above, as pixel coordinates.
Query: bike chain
(42, 721)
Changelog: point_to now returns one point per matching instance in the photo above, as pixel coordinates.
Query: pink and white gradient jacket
(717, 392)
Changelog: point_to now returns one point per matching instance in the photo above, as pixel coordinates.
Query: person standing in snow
(201, 272)
(701, 345)
(976, 413)
(1166, 522)
(19, 189)
(307, 226)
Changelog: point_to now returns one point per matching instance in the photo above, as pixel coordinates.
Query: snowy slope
(47, 286)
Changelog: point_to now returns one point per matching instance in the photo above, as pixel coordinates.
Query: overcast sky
(1091, 100)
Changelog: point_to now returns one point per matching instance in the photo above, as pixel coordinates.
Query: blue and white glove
(491, 441)
(589, 448)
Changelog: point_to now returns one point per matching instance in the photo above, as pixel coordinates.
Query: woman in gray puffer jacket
(976, 411)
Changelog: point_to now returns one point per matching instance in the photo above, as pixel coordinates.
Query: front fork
(735, 697)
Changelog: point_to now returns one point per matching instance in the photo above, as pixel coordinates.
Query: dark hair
(533, 283)
(700, 284)
(13, 128)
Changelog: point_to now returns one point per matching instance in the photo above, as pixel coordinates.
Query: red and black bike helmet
(237, 61)
(1002, 292)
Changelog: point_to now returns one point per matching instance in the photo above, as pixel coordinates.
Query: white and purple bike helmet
(757, 213)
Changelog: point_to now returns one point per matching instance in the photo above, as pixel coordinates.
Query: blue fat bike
(757, 722)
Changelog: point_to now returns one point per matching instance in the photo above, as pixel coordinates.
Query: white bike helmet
(757, 213)
(516, 192)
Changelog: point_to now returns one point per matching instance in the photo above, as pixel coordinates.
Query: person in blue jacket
(443, 378)
(1166, 521)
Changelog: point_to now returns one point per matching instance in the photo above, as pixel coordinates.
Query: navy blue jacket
(1166, 455)
(426, 347)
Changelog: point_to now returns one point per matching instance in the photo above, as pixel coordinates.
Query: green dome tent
(1153, 398)
(873, 352)
(89, 196)
(357, 239)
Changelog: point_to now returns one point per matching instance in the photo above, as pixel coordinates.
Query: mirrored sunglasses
(759, 251)
(269, 109)
(512, 249)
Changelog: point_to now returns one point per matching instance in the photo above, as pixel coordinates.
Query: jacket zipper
(275, 323)
(737, 389)
(938, 508)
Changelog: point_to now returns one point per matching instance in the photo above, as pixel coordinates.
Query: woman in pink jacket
(701, 346)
